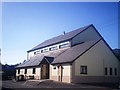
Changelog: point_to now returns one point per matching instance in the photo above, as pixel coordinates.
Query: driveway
(36, 84)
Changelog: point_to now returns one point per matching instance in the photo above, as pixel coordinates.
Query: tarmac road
(53, 85)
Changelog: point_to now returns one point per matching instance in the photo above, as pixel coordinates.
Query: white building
(79, 56)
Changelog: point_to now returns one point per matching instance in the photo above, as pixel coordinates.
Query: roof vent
(64, 33)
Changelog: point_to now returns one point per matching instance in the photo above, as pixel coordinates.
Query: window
(38, 52)
(18, 71)
(25, 71)
(34, 53)
(33, 70)
(115, 71)
(110, 71)
(41, 51)
(45, 50)
(106, 71)
(53, 48)
(54, 67)
(83, 69)
(64, 45)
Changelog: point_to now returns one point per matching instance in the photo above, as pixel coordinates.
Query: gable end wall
(87, 35)
(96, 59)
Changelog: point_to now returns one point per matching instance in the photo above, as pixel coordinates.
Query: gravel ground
(47, 84)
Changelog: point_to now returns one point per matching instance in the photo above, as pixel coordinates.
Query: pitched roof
(36, 60)
(60, 38)
(74, 52)
(117, 53)
(66, 55)
(63, 56)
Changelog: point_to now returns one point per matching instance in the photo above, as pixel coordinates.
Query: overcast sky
(25, 25)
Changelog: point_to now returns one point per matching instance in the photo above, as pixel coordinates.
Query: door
(45, 71)
(60, 73)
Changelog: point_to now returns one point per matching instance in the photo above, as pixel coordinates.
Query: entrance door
(45, 71)
(60, 73)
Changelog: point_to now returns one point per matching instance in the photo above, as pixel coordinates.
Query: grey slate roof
(72, 53)
(60, 38)
(63, 55)
(36, 60)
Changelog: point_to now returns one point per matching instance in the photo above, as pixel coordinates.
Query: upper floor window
(33, 70)
(38, 52)
(35, 53)
(64, 45)
(83, 69)
(53, 48)
(41, 51)
(44, 50)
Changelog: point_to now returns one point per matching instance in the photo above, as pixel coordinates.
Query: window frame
(64, 45)
(83, 69)
(53, 48)
(44, 50)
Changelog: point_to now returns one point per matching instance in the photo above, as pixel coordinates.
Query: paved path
(48, 84)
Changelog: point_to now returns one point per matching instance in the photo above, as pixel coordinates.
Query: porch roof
(34, 61)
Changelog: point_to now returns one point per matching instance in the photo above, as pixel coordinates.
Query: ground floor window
(83, 69)
(106, 71)
(25, 71)
(34, 70)
(115, 71)
(54, 67)
(110, 71)
(18, 71)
